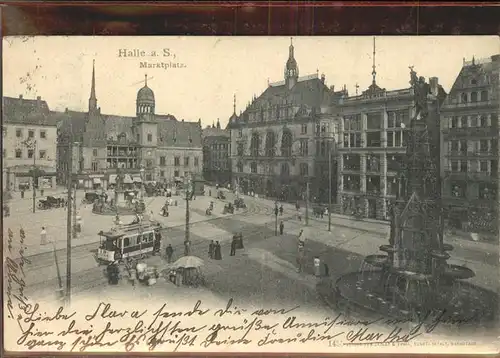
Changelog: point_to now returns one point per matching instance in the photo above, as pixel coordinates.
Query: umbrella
(188, 262)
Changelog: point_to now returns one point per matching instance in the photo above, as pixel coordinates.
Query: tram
(127, 241)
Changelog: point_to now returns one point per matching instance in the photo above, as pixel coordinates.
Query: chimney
(20, 96)
(323, 78)
(434, 84)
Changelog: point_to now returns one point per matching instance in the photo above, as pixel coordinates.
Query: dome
(145, 94)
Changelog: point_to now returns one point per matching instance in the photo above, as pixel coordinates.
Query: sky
(214, 69)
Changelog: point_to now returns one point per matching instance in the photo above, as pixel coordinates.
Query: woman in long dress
(218, 253)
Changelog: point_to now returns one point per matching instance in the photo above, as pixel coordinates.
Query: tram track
(46, 259)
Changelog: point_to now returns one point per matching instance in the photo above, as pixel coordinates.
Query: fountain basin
(388, 248)
(458, 272)
(376, 260)
(440, 255)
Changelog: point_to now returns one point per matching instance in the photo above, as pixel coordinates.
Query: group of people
(215, 250)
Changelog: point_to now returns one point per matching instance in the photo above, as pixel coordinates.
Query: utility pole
(330, 186)
(74, 212)
(276, 222)
(59, 278)
(68, 221)
(188, 197)
(307, 203)
(34, 175)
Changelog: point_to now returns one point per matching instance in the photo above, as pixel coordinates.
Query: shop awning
(127, 179)
(137, 180)
(96, 180)
(112, 179)
(177, 179)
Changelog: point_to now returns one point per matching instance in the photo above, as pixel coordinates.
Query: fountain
(412, 280)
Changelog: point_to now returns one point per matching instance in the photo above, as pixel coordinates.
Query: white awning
(137, 180)
(127, 179)
(96, 180)
(112, 179)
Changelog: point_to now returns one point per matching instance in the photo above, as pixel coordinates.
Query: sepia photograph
(251, 194)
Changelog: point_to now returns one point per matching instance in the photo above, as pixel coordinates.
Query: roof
(215, 132)
(179, 134)
(118, 125)
(145, 94)
(28, 112)
(74, 122)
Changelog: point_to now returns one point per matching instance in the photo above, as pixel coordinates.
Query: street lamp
(142, 182)
(331, 142)
(188, 187)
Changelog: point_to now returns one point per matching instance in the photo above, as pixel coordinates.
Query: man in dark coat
(157, 242)
(281, 209)
(233, 246)
(218, 253)
(282, 226)
(211, 249)
(169, 252)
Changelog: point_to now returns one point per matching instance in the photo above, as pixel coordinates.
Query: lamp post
(331, 143)
(276, 217)
(68, 222)
(189, 194)
(142, 182)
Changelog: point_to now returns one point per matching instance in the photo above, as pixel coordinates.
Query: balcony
(470, 176)
(470, 132)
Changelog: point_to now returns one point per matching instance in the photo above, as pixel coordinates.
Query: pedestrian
(233, 246)
(300, 256)
(218, 252)
(41, 192)
(211, 249)
(22, 194)
(282, 226)
(322, 212)
(43, 236)
(169, 251)
(187, 248)
(281, 209)
(326, 270)
(157, 242)
(241, 240)
(209, 192)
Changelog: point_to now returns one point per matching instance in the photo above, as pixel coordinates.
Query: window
(239, 167)
(473, 97)
(149, 163)
(186, 161)
(373, 121)
(42, 154)
(4, 131)
(4, 152)
(138, 137)
(285, 169)
(94, 152)
(304, 129)
(483, 121)
(463, 166)
(150, 137)
(458, 189)
(43, 134)
(483, 145)
(31, 134)
(196, 161)
(176, 173)
(373, 139)
(162, 173)
(304, 147)
(464, 97)
(484, 96)
(304, 169)
(95, 166)
(463, 146)
(483, 166)
(454, 166)
(323, 129)
(454, 145)
(19, 133)
(253, 167)
(454, 122)
(240, 133)
(162, 161)
(19, 153)
(30, 153)
(177, 162)
(126, 242)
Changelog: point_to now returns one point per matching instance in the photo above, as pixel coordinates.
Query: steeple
(291, 68)
(146, 80)
(234, 104)
(374, 72)
(218, 123)
(93, 99)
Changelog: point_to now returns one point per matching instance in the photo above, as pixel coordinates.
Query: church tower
(291, 68)
(146, 128)
(93, 99)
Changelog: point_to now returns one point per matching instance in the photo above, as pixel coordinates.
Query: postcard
(251, 194)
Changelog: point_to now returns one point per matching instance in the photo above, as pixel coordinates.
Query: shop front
(22, 178)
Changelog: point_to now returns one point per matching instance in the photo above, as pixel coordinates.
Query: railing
(470, 175)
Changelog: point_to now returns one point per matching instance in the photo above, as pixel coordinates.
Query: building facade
(29, 141)
(216, 155)
(470, 131)
(371, 146)
(146, 147)
(273, 141)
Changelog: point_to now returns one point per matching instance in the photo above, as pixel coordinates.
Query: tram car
(127, 241)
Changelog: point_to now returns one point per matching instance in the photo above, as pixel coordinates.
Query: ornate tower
(93, 98)
(146, 129)
(291, 68)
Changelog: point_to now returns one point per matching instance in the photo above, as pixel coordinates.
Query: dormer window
(473, 81)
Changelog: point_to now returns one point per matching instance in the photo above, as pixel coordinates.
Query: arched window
(285, 169)
(270, 144)
(464, 97)
(253, 167)
(286, 143)
(255, 144)
(240, 167)
(484, 96)
(473, 97)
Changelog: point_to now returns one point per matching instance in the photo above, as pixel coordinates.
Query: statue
(422, 89)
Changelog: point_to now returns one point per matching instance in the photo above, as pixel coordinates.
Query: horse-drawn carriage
(239, 203)
(51, 202)
(91, 197)
(228, 209)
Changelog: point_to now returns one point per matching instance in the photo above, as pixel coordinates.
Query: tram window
(150, 237)
(139, 238)
(145, 238)
(126, 242)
